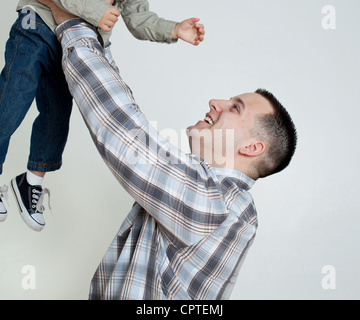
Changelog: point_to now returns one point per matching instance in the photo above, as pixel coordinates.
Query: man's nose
(216, 106)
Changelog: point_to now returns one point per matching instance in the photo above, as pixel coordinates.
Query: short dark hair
(279, 132)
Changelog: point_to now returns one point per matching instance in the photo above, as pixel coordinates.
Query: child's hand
(109, 19)
(190, 31)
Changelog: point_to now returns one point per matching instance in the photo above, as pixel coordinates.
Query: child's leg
(18, 82)
(51, 127)
(33, 68)
(48, 138)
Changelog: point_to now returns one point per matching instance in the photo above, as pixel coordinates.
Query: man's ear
(253, 149)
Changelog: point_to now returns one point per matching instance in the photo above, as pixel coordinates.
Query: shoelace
(38, 199)
(4, 193)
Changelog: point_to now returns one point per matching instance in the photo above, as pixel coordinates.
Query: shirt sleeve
(178, 192)
(144, 24)
(90, 10)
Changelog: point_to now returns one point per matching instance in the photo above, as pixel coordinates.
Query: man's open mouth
(208, 120)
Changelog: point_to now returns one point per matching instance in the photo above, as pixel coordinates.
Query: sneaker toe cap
(38, 218)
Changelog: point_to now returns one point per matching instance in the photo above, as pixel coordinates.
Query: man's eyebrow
(239, 101)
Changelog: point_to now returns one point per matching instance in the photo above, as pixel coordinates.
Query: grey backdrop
(308, 215)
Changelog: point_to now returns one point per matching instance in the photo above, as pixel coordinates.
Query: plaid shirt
(192, 223)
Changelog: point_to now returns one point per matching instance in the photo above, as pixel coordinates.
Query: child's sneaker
(30, 200)
(3, 195)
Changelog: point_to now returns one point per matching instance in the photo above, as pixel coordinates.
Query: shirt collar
(242, 180)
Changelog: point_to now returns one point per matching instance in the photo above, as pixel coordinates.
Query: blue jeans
(33, 70)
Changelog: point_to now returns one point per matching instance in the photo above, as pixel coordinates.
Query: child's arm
(97, 12)
(146, 25)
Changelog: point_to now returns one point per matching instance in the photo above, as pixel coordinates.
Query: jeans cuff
(43, 167)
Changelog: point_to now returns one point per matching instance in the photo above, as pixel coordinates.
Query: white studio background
(308, 215)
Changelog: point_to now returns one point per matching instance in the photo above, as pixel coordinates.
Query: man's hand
(59, 15)
(190, 31)
(109, 19)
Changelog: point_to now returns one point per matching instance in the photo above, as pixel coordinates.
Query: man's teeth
(208, 120)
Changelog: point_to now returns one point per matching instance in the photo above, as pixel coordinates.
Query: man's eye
(236, 107)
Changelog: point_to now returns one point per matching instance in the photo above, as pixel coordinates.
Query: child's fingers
(201, 28)
(192, 21)
(106, 28)
(115, 12)
(114, 19)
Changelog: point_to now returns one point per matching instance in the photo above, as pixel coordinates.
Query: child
(33, 70)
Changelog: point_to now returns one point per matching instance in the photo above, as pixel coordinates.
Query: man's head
(252, 133)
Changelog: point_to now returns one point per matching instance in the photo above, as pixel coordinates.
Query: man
(193, 220)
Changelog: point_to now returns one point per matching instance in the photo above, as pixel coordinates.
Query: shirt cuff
(74, 30)
(165, 30)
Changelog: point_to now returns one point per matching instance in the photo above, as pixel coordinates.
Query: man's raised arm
(140, 159)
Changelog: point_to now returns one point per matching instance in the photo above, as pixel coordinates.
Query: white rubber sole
(30, 222)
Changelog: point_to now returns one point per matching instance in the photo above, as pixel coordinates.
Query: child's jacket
(142, 23)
